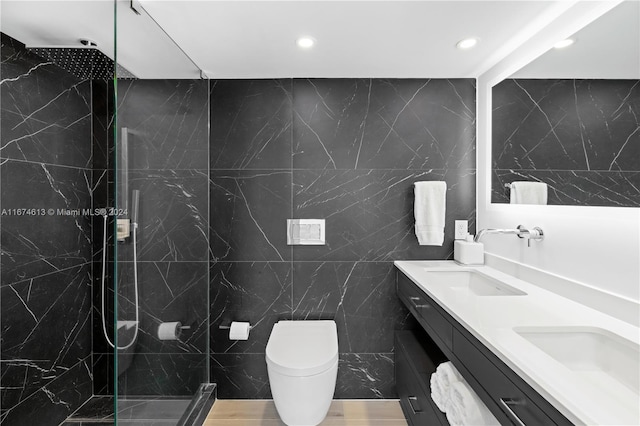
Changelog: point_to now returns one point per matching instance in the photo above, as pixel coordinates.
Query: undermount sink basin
(603, 358)
(473, 282)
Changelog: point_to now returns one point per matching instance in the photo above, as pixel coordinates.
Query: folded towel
(437, 395)
(453, 416)
(528, 193)
(467, 408)
(448, 374)
(440, 382)
(429, 210)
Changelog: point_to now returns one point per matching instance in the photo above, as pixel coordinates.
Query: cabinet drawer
(513, 402)
(413, 400)
(425, 310)
(412, 382)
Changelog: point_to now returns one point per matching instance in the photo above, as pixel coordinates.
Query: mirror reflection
(566, 128)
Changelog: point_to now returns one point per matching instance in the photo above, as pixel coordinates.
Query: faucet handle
(535, 234)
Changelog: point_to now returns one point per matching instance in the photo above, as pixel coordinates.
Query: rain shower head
(86, 62)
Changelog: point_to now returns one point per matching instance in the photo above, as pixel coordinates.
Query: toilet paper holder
(227, 327)
(171, 330)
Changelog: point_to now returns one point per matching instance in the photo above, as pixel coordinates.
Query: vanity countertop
(581, 397)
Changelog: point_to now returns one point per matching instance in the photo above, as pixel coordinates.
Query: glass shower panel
(161, 200)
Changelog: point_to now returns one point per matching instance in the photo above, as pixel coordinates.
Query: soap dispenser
(468, 252)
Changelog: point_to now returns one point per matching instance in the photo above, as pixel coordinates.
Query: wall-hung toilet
(302, 363)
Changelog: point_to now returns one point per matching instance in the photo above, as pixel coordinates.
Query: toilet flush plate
(305, 232)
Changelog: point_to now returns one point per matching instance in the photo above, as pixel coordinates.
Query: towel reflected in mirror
(524, 192)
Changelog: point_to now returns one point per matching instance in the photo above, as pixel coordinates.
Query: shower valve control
(124, 229)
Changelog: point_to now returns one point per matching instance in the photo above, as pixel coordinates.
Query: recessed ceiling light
(305, 42)
(564, 43)
(467, 43)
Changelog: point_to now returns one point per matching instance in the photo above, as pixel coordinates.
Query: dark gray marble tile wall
(168, 162)
(347, 151)
(102, 196)
(46, 266)
(578, 136)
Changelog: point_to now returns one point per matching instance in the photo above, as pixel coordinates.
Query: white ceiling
(143, 48)
(609, 48)
(249, 39)
(256, 39)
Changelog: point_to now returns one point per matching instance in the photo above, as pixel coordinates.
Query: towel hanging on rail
(429, 211)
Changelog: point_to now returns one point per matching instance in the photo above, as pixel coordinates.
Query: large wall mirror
(566, 127)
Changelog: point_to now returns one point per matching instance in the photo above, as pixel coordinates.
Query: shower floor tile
(160, 409)
(95, 409)
(135, 412)
(341, 413)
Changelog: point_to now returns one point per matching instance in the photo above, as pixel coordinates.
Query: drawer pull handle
(506, 403)
(416, 300)
(413, 399)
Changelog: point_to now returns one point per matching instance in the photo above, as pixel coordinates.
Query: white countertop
(491, 319)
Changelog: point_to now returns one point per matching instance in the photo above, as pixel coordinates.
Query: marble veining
(347, 151)
(167, 122)
(58, 399)
(581, 137)
(54, 240)
(173, 291)
(252, 125)
(257, 292)
(383, 123)
(54, 328)
(173, 216)
(369, 213)
(57, 151)
(365, 376)
(45, 286)
(250, 215)
(163, 375)
(46, 112)
(581, 188)
(240, 376)
(359, 296)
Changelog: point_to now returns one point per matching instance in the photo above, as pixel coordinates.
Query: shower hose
(135, 284)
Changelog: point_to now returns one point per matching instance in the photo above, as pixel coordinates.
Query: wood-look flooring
(341, 413)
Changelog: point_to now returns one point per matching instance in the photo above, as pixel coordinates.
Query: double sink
(473, 282)
(598, 359)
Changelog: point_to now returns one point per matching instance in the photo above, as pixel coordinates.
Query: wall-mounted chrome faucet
(535, 234)
(521, 232)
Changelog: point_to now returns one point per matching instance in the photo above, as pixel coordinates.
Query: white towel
(528, 193)
(440, 382)
(437, 395)
(429, 210)
(467, 408)
(448, 373)
(453, 416)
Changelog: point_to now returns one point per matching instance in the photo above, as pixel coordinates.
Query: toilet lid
(302, 348)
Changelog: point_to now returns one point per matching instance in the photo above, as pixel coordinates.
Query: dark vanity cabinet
(416, 358)
(511, 400)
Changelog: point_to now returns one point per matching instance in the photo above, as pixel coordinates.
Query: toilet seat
(302, 348)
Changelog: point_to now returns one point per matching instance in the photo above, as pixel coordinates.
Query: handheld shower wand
(135, 207)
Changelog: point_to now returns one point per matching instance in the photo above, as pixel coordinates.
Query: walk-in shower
(111, 154)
